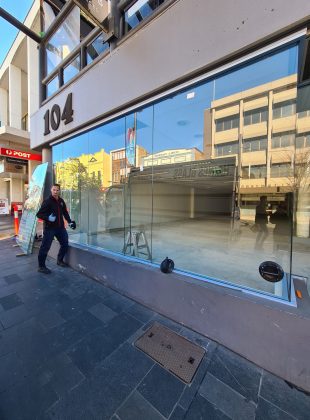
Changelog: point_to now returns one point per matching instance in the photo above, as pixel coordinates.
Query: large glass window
(281, 170)
(303, 140)
(226, 148)
(67, 37)
(281, 140)
(255, 116)
(227, 123)
(164, 180)
(254, 171)
(254, 144)
(284, 109)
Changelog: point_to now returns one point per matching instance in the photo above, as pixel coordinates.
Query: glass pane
(52, 86)
(272, 67)
(57, 153)
(97, 47)
(247, 118)
(277, 112)
(301, 189)
(71, 69)
(74, 185)
(255, 117)
(64, 40)
(180, 189)
(139, 11)
(244, 237)
(139, 184)
(107, 193)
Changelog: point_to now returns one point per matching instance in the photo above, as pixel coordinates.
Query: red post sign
(19, 154)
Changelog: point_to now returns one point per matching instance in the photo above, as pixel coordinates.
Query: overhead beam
(20, 26)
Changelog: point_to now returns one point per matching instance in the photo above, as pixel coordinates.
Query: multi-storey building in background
(19, 98)
(268, 137)
(121, 165)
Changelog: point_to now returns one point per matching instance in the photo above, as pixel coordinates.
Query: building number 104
(53, 117)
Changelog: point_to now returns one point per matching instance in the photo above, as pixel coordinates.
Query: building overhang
(14, 135)
(12, 175)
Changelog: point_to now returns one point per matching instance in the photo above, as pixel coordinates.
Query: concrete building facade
(222, 98)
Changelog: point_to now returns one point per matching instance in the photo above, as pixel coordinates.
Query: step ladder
(137, 243)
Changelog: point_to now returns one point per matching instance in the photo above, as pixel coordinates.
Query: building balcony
(255, 130)
(10, 135)
(303, 125)
(254, 158)
(226, 136)
(284, 124)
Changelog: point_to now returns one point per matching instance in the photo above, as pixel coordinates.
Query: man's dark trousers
(48, 236)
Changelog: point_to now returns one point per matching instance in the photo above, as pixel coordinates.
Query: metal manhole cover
(173, 352)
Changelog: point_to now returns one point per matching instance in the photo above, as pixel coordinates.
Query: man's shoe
(44, 270)
(62, 264)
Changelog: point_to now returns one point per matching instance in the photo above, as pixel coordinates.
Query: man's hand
(72, 224)
(51, 217)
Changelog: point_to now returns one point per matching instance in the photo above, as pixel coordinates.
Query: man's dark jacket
(58, 208)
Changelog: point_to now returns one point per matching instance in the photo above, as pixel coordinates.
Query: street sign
(17, 161)
(4, 206)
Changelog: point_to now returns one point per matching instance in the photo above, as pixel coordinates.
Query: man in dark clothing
(53, 211)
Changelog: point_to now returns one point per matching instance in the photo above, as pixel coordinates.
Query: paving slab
(67, 352)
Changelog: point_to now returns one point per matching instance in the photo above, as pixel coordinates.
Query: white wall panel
(188, 36)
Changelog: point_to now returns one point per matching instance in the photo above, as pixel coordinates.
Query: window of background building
(303, 114)
(227, 123)
(254, 144)
(254, 172)
(255, 116)
(281, 170)
(303, 140)
(284, 109)
(226, 148)
(285, 139)
(139, 11)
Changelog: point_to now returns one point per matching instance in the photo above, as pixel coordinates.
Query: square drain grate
(173, 352)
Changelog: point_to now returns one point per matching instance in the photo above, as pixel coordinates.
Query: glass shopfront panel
(204, 176)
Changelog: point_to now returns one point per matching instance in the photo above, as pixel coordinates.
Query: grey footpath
(67, 352)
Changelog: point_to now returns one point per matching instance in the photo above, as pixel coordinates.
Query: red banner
(18, 154)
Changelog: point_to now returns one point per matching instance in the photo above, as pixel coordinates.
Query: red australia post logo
(19, 154)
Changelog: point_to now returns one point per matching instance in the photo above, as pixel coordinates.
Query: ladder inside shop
(137, 243)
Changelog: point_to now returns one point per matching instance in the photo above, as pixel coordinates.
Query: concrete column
(15, 96)
(33, 78)
(47, 157)
(17, 190)
(269, 137)
(3, 107)
(213, 134)
(192, 203)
